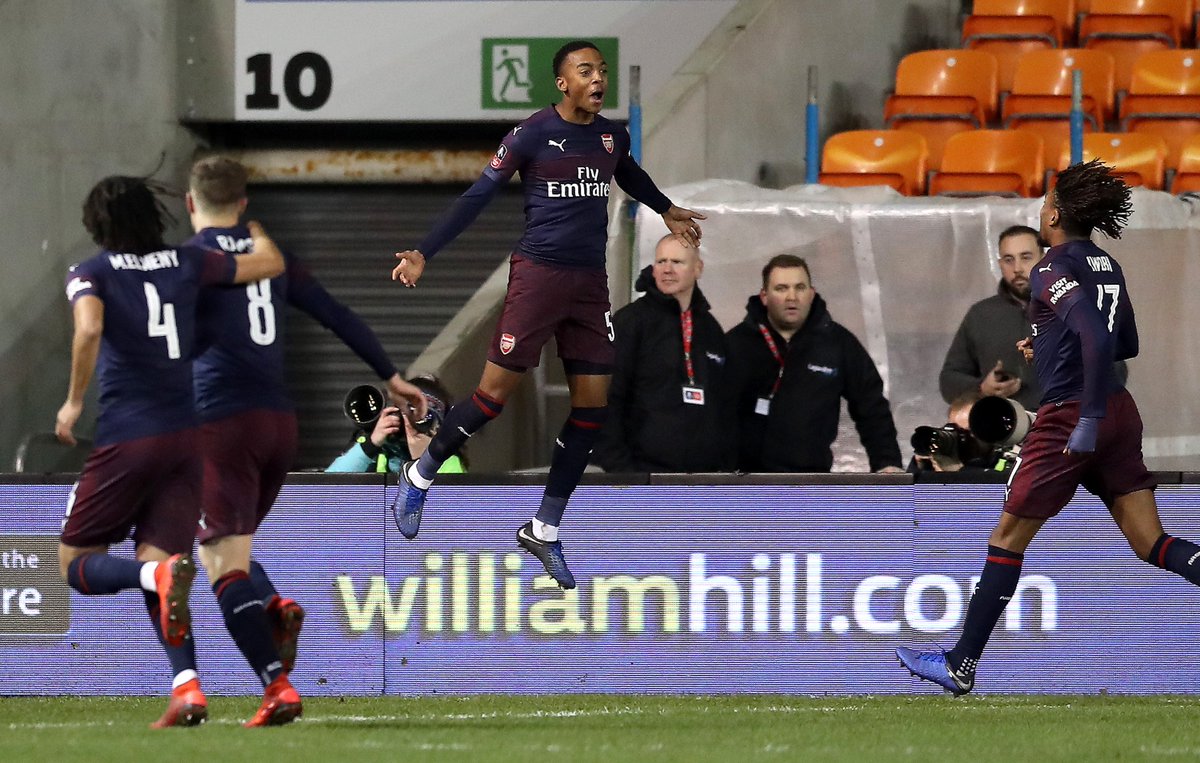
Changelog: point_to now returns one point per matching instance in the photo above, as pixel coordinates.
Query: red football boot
(187, 707)
(173, 580)
(287, 617)
(281, 704)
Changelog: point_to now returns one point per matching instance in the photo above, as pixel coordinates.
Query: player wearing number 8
(134, 309)
(1088, 430)
(248, 432)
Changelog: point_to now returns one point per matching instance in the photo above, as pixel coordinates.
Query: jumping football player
(567, 155)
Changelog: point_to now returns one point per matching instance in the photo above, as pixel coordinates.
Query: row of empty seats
(1125, 29)
(943, 92)
(996, 162)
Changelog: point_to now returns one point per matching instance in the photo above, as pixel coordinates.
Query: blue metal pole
(812, 135)
(635, 124)
(1076, 116)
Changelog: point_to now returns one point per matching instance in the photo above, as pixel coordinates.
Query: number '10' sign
(264, 96)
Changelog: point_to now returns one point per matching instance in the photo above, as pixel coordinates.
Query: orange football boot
(187, 707)
(173, 581)
(280, 705)
(287, 617)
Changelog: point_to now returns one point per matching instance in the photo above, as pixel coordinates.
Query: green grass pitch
(579, 728)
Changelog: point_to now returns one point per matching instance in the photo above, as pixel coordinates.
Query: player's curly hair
(125, 214)
(1089, 197)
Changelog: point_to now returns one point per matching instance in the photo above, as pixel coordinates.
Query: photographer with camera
(386, 438)
(981, 434)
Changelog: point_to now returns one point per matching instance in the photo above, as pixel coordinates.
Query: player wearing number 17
(1088, 430)
(134, 306)
(567, 155)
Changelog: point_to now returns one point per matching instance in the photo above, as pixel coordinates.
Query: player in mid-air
(248, 433)
(567, 155)
(1088, 430)
(134, 307)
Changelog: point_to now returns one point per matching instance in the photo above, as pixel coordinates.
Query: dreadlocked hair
(125, 214)
(1089, 197)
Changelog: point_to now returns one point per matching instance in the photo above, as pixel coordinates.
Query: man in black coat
(668, 403)
(790, 365)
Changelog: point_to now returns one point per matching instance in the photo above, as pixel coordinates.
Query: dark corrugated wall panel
(347, 236)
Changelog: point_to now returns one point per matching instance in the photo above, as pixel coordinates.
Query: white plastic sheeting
(901, 272)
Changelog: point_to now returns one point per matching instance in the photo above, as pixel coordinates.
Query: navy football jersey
(145, 361)
(566, 170)
(1082, 320)
(242, 328)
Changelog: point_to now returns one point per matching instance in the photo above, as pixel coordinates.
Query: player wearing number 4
(248, 425)
(567, 155)
(134, 306)
(1088, 430)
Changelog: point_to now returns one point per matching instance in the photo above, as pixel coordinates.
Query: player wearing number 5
(134, 306)
(567, 155)
(248, 426)
(1088, 430)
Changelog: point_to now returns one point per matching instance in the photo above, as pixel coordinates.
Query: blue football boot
(933, 666)
(549, 553)
(409, 503)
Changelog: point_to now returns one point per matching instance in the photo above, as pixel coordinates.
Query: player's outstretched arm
(408, 271)
(266, 261)
(683, 223)
(401, 390)
(85, 348)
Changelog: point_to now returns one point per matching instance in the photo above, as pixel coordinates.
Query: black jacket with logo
(823, 363)
(649, 427)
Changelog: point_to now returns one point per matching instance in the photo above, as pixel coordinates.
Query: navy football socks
(463, 420)
(182, 657)
(246, 620)
(1177, 555)
(96, 574)
(995, 589)
(571, 452)
(262, 584)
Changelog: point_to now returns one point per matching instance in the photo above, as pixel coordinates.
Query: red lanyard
(774, 353)
(685, 320)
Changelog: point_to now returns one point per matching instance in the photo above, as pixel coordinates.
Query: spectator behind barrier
(791, 364)
(983, 356)
(668, 403)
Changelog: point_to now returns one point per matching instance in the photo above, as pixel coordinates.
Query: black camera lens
(922, 440)
(363, 405)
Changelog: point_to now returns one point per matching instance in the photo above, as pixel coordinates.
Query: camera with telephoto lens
(997, 427)
(949, 441)
(999, 421)
(364, 405)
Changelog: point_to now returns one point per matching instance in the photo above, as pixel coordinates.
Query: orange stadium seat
(1127, 29)
(942, 92)
(1139, 159)
(1041, 96)
(991, 162)
(1187, 177)
(1164, 98)
(1008, 29)
(895, 158)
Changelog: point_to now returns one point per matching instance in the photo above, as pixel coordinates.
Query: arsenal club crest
(507, 343)
(607, 140)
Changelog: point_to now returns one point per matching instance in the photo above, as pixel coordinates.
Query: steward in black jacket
(794, 430)
(650, 428)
